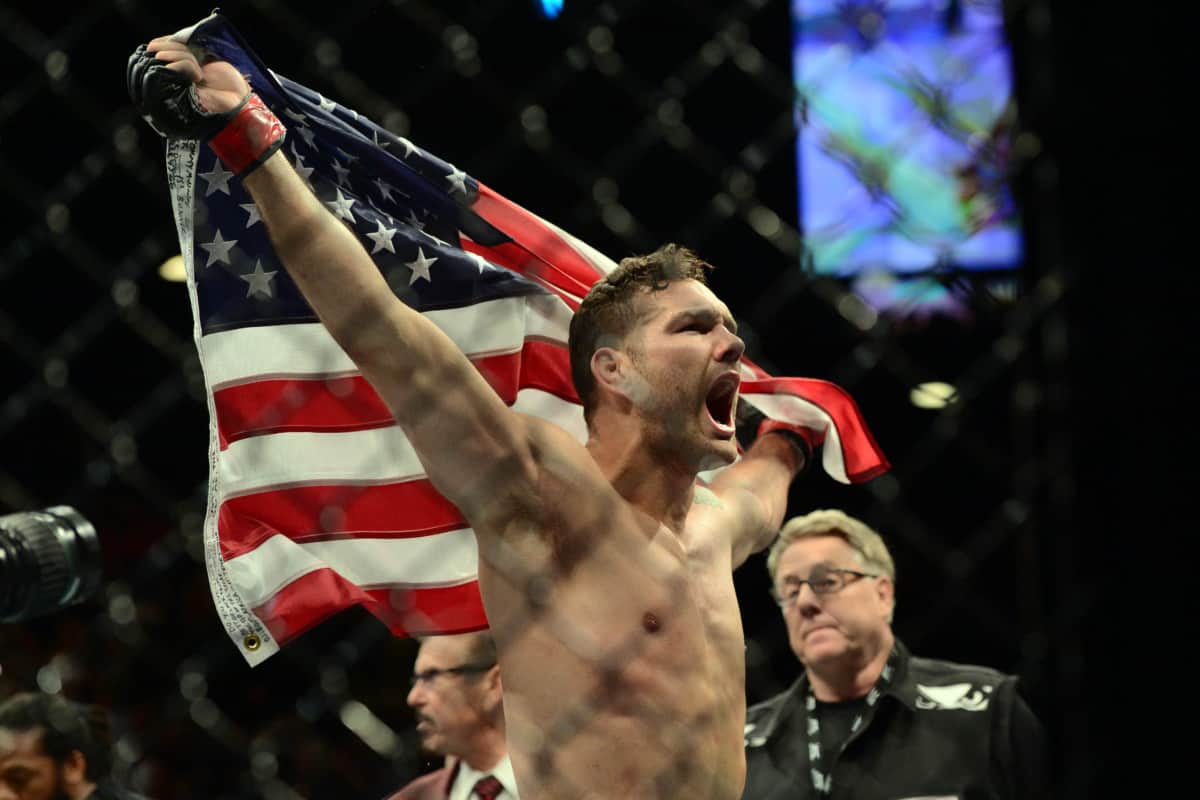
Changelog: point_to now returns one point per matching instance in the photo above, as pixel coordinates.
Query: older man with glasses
(456, 695)
(868, 720)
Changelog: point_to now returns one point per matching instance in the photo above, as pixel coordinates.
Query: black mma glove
(242, 138)
(752, 423)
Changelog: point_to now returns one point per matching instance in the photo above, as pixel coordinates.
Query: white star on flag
(296, 115)
(309, 137)
(218, 179)
(479, 260)
(383, 238)
(252, 210)
(341, 206)
(384, 189)
(343, 173)
(259, 280)
(380, 143)
(457, 179)
(414, 221)
(302, 170)
(218, 250)
(409, 147)
(325, 103)
(420, 267)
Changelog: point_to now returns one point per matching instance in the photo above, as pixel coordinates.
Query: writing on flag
(316, 499)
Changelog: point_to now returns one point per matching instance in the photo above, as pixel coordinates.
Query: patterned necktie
(487, 788)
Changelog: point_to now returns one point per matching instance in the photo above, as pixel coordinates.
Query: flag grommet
(251, 642)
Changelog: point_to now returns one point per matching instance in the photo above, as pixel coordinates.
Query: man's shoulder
(936, 684)
(939, 671)
(762, 719)
(769, 706)
(426, 787)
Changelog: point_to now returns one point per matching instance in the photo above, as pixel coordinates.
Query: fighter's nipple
(650, 622)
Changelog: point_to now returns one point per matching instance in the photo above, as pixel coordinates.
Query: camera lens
(48, 560)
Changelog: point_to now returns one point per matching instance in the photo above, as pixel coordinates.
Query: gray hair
(867, 544)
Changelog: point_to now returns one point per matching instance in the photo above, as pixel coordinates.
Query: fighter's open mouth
(721, 398)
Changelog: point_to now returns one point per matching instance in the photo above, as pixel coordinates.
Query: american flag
(317, 502)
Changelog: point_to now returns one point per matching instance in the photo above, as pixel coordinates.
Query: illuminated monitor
(904, 116)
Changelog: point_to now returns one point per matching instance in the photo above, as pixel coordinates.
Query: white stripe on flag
(272, 351)
(792, 409)
(374, 456)
(444, 559)
(563, 413)
(547, 317)
(281, 460)
(306, 349)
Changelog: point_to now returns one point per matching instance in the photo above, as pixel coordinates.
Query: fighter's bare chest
(663, 585)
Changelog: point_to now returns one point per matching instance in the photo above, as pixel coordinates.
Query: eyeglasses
(429, 675)
(821, 581)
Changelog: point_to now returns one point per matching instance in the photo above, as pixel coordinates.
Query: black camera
(49, 560)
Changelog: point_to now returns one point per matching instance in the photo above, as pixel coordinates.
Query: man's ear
(609, 369)
(886, 591)
(74, 774)
(495, 687)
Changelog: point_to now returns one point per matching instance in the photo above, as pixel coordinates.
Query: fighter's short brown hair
(609, 312)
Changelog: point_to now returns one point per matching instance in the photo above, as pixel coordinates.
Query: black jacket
(941, 730)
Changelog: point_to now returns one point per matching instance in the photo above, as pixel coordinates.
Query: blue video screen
(905, 118)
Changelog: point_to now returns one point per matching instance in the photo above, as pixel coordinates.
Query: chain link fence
(628, 123)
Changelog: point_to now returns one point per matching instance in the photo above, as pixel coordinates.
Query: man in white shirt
(456, 694)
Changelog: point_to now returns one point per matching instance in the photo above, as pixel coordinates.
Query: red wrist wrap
(807, 439)
(250, 138)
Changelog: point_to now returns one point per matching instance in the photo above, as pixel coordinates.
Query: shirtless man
(605, 570)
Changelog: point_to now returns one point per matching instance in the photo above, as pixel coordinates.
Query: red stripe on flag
(279, 405)
(860, 453)
(555, 262)
(351, 403)
(516, 259)
(540, 365)
(313, 513)
(314, 597)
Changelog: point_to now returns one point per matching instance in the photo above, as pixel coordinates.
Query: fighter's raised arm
(431, 388)
(755, 491)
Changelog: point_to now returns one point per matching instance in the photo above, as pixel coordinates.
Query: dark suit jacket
(433, 786)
